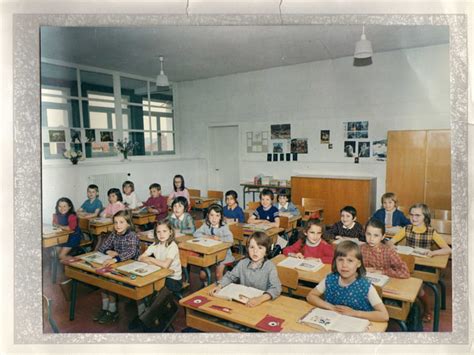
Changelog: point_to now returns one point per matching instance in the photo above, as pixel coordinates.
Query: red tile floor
(89, 302)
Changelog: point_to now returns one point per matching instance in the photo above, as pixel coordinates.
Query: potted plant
(125, 147)
(73, 155)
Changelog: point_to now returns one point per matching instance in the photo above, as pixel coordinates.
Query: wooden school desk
(52, 240)
(95, 226)
(250, 187)
(202, 203)
(431, 277)
(142, 218)
(208, 319)
(135, 289)
(208, 255)
(404, 291)
(272, 233)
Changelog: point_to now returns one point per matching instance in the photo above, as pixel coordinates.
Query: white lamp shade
(363, 48)
(162, 80)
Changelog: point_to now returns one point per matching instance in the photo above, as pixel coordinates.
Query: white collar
(285, 206)
(352, 226)
(179, 218)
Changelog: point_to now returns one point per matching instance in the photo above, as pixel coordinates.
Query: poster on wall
(57, 136)
(350, 149)
(75, 136)
(325, 136)
(379, 150)
(364, 149)
(257, 142)
(356, 130)
(90, 135)
(299, 145)
(280, 146)
(280, 131)
(106, 136)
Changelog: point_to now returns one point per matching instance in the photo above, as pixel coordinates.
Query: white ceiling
(196, 52)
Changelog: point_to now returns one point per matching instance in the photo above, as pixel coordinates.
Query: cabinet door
(438, 170)
(406, 157)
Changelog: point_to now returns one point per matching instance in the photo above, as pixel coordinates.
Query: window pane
(167, 141)
(98, 120)
(60, 114)
(154, 123)
(146, 123)
(100, 149)
(96, 83)
(136, 117)
(151, 144)
(139, 138)
(58, 77)
(134, 89)
(57, 117)
(166, 123)
(54, 150)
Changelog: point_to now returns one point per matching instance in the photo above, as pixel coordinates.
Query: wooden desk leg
(442, 285)
(208, 274)
(243, 193)
(186, 274)
(54, 264)
(72, 306)
(402, 324)
(436, 310)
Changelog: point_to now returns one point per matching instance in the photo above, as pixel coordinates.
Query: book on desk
(96, 257)
(138, 268)
(256, 227)
(101, 220)
(301, 264)
(376, 279)
(334, 322)
(205, 242)
(404, 249)
(239, 293)
(49, 230)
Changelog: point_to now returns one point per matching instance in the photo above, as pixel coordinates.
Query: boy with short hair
(157, 203)
(266, 213)
(92, 206)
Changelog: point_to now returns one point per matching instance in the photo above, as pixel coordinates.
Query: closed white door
(224, 158)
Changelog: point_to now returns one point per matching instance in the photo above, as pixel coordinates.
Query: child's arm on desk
(379, 314)
(255, 301)
(314, 298)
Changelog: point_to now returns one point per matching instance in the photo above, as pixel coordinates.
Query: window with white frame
(80, 109)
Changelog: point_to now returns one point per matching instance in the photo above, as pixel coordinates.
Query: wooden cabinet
(419, 167)
(337, 192)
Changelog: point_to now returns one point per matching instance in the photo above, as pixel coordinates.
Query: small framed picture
(275, 157)
(356, 160)
(269, 157)
(288, 156)
(282, 157)
(295, 157)
(330, 146)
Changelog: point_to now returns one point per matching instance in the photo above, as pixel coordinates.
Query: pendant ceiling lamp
(363, 51)
(162, 79)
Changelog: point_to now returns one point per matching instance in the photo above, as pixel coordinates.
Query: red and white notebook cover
(197, 301)
(271, 324)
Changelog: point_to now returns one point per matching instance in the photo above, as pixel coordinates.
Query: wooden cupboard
(419, 167)
(337, 192)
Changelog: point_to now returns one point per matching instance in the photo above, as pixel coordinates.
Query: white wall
(401, 90)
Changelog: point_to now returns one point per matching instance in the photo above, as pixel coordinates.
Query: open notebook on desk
(377, 279)
(301, 264)
(96, 257)
(404, 249)
(239, 293)
(138, 268)
(334, 322)
(205, 242)
(256, 227)
(49, 230)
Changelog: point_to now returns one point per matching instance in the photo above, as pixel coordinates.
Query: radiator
(106, 182)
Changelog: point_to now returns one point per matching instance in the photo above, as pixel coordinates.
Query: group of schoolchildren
(345, 290)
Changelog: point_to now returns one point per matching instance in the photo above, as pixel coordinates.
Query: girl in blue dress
(66, 219)
(346, 290)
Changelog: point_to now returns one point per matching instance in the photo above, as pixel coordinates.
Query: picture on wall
(106, 136)
(57, 136)
(277, 147)
(299, 145)
(356, 129)
(379, 149)
(325, 136)
(257, 142)
(280, 146)
(280, 131)
(364, 149)
(100, 148)
(350, 149)
(90, 135)
(75, 136)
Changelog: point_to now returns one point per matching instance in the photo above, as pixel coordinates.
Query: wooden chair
(194, 192)
(312, 205)
(253, 205)
(216, 194)
(47, 314)
(442, 214)
(288, 278)
(410, 261)
(198, 223)
(238, 234)
(441, 226)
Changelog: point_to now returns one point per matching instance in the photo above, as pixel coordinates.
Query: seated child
(115, 203)
(419, 234)
(180, 220)
(156, 203)
(347, 227)
(179, 190)
(346, 290)
(214, 228)
(232, 211)
(92, 206)
(130, 198)
(255, 271)
(284, 204)
(164, 253)
(311, 245)
(122, 244)
(390, 215)
(381, 258)
(65, 218)
(266, 213)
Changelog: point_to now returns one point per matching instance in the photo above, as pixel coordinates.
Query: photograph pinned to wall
(57, 135)
(379, 150)
(356, 129)
(295, 157)
(364, 149)
(280, 131)
(257, 142)
(275, 157)
(106, 136)
(269, 157)
(75, 136)
(100, 148)
(299, 145)
(325, 136)
(288, 156)
(282, 157)
(350, 149)
(90, 135)
(356, 160)
(330, 146)
(281, 146)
